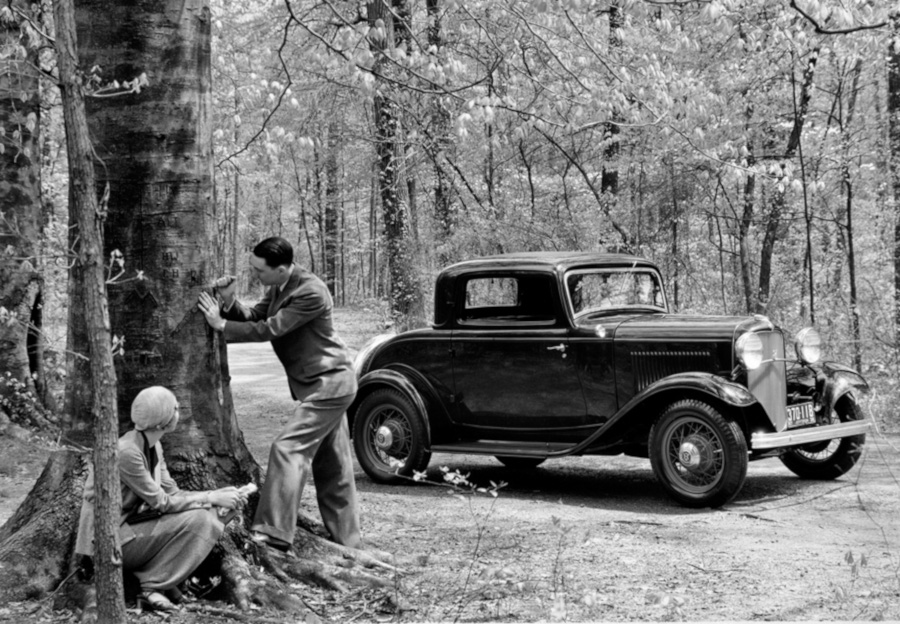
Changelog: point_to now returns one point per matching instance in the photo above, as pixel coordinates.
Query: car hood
(676, 326)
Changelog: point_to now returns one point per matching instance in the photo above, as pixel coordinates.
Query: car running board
(503, 448)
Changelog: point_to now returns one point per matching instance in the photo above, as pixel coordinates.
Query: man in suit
(295, 316)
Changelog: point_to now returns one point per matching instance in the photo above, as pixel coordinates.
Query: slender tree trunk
(847, 180)
(405, 292)
(674, 258)
(89, 216)
(609, 177)
(21, 284)
(776, 207)
(440, 143)
(893, 113)
(332, 199)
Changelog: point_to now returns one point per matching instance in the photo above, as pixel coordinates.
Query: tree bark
(89, 216)
(331, 207)
(776, 207)
(405, 292)
(438, 145)
(609, 176)
(21, 284)
(893, 112)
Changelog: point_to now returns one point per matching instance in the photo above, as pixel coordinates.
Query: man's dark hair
(275, 251)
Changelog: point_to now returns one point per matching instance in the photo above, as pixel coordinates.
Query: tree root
(37, 562)
(255, 574)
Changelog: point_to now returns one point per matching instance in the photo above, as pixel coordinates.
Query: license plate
(800, 415)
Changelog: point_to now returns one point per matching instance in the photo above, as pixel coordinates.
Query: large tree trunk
(155, 146)
(21, 342)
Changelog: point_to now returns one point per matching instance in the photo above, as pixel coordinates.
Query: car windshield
(599, 291)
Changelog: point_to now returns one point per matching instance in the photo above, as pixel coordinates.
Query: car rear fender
(636, 416)
(407, 381)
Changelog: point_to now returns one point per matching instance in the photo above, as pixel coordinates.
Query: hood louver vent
(650, 366)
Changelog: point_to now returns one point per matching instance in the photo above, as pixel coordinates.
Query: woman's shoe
(154, 601)
(263, 539)
(174, 595)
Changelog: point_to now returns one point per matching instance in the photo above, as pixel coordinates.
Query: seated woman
(165, 532)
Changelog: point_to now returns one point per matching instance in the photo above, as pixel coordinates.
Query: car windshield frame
(617, 308)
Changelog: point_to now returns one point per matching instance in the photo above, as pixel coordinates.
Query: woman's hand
(228, 497)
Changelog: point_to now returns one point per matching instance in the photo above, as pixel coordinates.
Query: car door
(512, 369)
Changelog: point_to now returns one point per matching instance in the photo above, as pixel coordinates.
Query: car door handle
(559, 347)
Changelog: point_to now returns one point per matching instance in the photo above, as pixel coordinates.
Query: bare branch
(287, 29)
(833, 31)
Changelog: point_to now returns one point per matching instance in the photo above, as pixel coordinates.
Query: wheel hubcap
(694, 459)
(689, 454)
(390, 437)
(384, 438)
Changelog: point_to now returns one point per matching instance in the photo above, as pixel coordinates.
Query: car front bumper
(761, 441)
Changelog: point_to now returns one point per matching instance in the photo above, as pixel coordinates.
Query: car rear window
(508, 300)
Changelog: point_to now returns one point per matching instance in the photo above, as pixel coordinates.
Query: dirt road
(591, 538)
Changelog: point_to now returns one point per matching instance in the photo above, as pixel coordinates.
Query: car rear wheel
(699, 457)
(389, 437)
(520, 463)
(829, 459)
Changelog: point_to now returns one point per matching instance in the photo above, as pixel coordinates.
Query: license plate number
(800, 415)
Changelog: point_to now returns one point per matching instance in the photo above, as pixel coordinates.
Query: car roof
(546, 260)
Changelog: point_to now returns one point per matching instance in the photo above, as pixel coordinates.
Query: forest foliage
(699, 134)
(742, 144)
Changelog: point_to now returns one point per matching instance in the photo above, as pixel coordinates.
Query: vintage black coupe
(534, 356)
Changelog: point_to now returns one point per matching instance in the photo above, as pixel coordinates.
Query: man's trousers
(317, 440)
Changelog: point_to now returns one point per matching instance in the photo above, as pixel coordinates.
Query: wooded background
(750, 147)
(747, 146)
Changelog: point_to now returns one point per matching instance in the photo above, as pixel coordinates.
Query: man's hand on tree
(210, 308)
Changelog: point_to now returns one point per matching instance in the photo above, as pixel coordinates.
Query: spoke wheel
(698, 456)
(832, 458)
(389, 437)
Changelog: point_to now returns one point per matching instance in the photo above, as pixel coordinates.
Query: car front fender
(644, 407)
(837, 381)
(401, 380)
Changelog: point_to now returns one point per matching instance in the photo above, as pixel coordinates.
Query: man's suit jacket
(297, 320)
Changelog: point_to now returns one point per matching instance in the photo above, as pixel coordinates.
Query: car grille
(768, 383)
(651, 366)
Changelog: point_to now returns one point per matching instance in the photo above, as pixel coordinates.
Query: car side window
(514, 300)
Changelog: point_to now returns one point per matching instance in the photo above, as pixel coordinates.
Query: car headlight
(808, 344)
(749, 350)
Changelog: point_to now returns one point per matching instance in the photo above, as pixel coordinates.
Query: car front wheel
(699, 457)
(829, 459)
(389, 437)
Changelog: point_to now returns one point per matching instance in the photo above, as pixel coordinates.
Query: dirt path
(588, 539)
(592, 538)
